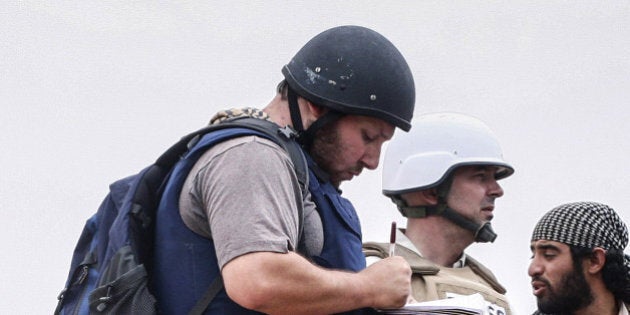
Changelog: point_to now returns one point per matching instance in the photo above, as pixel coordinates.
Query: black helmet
(354, 70)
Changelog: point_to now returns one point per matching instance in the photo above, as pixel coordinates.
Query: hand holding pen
(392, 249)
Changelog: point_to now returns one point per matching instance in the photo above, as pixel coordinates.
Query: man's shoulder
(418, 264)
(253, 146)
(485, 273)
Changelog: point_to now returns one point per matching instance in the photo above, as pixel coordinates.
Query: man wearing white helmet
(443, 177)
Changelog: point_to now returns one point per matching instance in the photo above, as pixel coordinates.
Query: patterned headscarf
(589, 225)
(584, 224)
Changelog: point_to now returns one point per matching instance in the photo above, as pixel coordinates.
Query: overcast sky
(93, 91)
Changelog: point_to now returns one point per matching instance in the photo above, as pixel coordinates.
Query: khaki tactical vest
(431, 282)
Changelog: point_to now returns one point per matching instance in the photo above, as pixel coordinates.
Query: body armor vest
(433, 282)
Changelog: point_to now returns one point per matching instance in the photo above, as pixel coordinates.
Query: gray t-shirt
(243, 194)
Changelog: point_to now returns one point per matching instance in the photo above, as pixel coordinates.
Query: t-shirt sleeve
(250, 195)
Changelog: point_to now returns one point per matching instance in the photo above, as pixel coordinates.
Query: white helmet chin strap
(483, 231)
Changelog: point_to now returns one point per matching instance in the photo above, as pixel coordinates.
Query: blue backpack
(110, 272)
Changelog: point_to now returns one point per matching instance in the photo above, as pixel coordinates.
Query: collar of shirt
(401, 239)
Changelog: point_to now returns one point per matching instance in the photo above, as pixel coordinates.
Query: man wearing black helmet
(343, 95)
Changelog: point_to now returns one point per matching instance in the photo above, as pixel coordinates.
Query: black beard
(325, 149)
(573, 294)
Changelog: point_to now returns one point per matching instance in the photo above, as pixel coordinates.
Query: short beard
(325, 148)
(573, 294)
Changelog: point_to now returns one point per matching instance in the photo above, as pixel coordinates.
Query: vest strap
(202, 304)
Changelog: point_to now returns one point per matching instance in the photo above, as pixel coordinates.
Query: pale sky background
(93, 91)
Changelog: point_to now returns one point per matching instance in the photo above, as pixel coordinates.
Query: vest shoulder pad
(485, 273)
(418, 264)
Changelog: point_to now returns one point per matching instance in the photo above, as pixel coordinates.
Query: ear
(316, 110)
(596, 260)
(430, 196)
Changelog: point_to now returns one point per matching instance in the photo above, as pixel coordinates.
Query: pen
(392, 239)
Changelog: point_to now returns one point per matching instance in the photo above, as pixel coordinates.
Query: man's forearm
(276, 283)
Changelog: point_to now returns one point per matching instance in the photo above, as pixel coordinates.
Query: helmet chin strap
(294, 110)
(483, 232)
(306, 137)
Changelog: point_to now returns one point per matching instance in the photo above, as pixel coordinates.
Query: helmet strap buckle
(483, 231)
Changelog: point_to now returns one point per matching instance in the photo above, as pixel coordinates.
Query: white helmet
(426, 156)
(437, 144)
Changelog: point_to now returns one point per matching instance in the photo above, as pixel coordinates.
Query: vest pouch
(128, 294)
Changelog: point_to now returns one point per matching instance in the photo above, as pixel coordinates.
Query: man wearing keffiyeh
(578, 264)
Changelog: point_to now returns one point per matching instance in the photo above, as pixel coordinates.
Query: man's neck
(278, 111)
(604, 303)
(434, 242)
